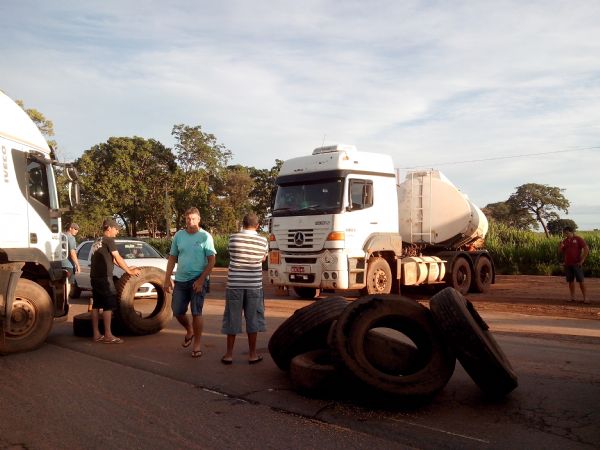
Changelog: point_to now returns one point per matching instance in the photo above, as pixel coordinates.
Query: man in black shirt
(104, 256)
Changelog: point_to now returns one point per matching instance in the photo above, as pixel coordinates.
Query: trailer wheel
(460, 277)
(143, 316)
(475, 347)
(379, 277)
(31, 318)
(305, 330)
(484, 271)
(306, 293)
(435, 361)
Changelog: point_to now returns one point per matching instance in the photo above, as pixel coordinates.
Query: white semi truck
(341, 220)
(33, 285)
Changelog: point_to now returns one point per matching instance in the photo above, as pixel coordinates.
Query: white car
(135, 253)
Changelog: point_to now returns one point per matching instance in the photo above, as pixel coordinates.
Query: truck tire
(31, 319)
(314, 372)
(475, 347)
(379, 277)
(136, 322)
(82, 325)
(460, 276)
(435, 362)
(305, 330)
(484, 272)
(306, 292)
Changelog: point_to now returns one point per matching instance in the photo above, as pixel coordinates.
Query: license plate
(298, 269)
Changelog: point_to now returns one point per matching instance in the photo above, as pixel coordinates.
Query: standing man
(574, 250)
(71, 263)
(194, 252)
(247, 251)
(104, 256)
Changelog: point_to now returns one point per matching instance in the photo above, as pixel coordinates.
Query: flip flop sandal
(255, 361)
(114, 340)
(99, 339)
(187, 341)
(196, 353)
(227, 362)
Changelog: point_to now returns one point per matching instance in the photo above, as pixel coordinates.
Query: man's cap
(110, 223)
(74, 226)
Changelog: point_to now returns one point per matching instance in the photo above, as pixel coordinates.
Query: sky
(495, 94)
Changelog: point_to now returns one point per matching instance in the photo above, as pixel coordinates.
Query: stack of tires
(387, 345)
(128, 319)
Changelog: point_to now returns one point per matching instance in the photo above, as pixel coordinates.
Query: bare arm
(123, 265)
(73, 254)
(205, 273)
(168, 283)
(585, 251)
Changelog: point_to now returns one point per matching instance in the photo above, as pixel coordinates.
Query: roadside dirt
(534, 295)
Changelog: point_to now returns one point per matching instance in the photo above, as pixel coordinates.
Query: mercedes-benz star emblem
(299, 238)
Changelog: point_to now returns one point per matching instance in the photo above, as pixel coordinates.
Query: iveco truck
(33, 285)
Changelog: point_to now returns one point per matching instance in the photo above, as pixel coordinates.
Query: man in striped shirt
(247, 251)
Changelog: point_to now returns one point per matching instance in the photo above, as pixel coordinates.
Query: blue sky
(467, 87)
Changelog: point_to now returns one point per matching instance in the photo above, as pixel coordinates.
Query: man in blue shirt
(194, 252)
(71, 263)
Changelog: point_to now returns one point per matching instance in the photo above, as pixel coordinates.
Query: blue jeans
(184, 295)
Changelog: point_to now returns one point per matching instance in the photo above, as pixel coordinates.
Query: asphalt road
(149, 393)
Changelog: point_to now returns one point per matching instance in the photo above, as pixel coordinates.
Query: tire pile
(126, 319)
(388, 345)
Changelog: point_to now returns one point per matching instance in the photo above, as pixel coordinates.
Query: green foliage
(520, 252)
(539, 200)
(556, 227)
(508, 214)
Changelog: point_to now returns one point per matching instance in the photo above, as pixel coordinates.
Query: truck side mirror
(73, 193)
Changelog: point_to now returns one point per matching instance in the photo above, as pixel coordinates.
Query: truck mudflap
(9, 276)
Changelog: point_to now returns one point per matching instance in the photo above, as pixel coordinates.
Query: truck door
(360, 221)
(13, 216)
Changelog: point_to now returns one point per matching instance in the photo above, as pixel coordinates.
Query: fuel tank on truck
(432, 210)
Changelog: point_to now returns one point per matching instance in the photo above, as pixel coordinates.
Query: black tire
(305, 330)
(484, 273)
(435, 362)
(31, 319)
(460, 276)
(136, 322)
(475, 347)
(314, 373)
(390, 355)
(306, 292)
(379, 277)
(82, 325)
(75, 291)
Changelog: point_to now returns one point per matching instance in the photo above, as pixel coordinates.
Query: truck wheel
(143, 316)
(75, 291)
(475, 347)
(305, 330)
(379, 277)
(435, 361)
(306, 293)
(461, 275)
(482, 279)
(31, 318)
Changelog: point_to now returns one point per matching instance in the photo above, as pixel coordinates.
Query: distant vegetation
(521, 252)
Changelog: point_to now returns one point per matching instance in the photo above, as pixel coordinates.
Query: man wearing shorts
(194, 252)
(574, 250)
(104, 294)
(247, 251)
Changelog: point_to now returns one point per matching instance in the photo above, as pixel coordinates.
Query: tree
(124, 177)
(45, 126)
(505, 213)
(539, 200)
(201, 159)
(555, 227)
(264, 189)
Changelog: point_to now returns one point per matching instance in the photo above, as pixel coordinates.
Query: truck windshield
(302, 198)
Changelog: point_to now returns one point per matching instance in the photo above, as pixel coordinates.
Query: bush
(518, 252)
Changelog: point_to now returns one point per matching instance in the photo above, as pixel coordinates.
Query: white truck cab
(32, 281)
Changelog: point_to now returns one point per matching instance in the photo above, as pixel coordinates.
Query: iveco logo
(299, 238)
